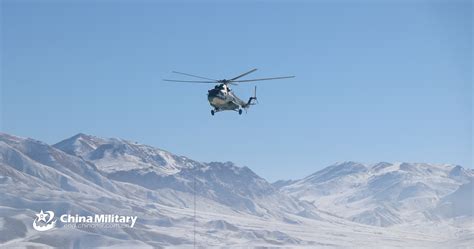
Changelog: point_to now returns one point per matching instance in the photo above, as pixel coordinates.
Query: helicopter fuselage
(224, 100)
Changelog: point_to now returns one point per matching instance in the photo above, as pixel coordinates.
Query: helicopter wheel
(212, 112)
(240, 111)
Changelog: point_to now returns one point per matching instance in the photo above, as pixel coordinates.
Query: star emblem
(41, 216)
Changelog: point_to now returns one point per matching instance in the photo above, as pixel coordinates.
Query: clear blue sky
(375, 81)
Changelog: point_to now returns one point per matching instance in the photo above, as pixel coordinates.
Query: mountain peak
(347, 163)
(80, 134)
(7, 137)
(80, 144)
(338, 169)
(112, 155)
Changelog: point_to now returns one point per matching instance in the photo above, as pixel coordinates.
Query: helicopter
(221, 97)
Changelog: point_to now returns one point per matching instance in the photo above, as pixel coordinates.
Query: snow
(115, 155)
(346, 205)
(386, 194)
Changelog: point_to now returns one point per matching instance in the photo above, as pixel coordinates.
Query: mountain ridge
(235, 206)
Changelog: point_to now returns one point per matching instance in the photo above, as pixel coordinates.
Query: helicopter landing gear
(240, 111)
(212, 112)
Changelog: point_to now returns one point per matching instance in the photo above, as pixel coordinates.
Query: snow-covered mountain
(384, 194)
(114, 155)
(343, 205)
(156, 169)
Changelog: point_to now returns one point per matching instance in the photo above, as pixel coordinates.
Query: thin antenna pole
(194, 199)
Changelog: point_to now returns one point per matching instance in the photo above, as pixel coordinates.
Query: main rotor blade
(275, 78)
(191, 81)
(192, 75)
(242, 75)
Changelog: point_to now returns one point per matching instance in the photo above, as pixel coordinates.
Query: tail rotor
(254, 96)
(252, 100)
